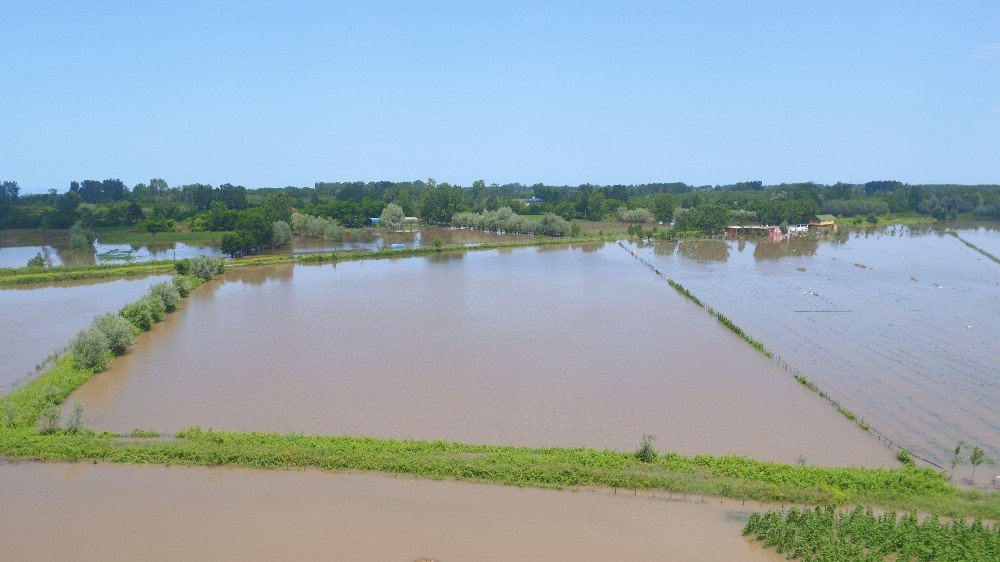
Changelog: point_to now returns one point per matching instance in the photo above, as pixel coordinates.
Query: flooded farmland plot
(38, 320)
(161, 513)
(901, 325)
(543, 346)
(18, 246)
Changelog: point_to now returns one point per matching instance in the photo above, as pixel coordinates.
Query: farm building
(826, 223)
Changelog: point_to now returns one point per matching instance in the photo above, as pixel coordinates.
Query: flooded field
(986, 236)
(160, 513)
(901, 325)
(18, 246)
(540, 346)
(38, 320)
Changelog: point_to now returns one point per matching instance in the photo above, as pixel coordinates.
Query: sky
(291, 93)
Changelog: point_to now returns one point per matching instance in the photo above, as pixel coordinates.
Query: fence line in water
(882, 438)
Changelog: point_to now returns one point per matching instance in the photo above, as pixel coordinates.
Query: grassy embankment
(973, 246)
(891, 219)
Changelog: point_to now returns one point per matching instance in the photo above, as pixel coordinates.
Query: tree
(198, 194)
(281, 233)
(157, 186)
(956, 457)
(233, 196)
(37, 262)
(662, 205)
(91, 349)
(277, 207)
(9, 191)
(392, 216)
(133, 214)
(977, 458)
(157, 223)
(117, 330)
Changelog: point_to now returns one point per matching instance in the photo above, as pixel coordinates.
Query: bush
(156, 307)
(392, 216)
(634, 216)
(80, 236)
(166, 292)
(316, 227)
(90, 349)
(207, 267)
(75, 420)
(37, 262)
(182, 267)
(552, 225)
(139, 314)
(281, 233)
(48, 420)
(183, 285)
(117, 330)
(645, 452)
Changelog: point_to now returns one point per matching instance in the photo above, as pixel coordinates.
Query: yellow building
(825, 223)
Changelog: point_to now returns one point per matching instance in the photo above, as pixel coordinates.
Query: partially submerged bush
(645, 452)
(183, 284)
(37, 262)
(81, 236)
(90, 349)
(139, 314)
(48, 420)
(552, 225)
(182, 266)
(167, 292)
(207, 267)
(117, 330)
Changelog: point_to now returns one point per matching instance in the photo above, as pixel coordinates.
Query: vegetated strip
(25, 275)
(727, 476)
(973, 246)
(904, 454)
(829, 534)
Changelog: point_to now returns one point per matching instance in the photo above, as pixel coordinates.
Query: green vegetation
(825, 534)
(316, 227)
(37, 262)
(392, 217)
(130, 235)
(728, 476)
(91, 349)
(645, 452)
(739, 332)
(506, 220)
(973, 246)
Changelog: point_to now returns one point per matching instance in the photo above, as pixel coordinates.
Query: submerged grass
(122, 235)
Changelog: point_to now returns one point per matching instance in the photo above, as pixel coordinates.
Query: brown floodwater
(902, 325)
(539, 346)
(36, 320)
(178, 513)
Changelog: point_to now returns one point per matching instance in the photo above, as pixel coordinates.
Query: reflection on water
(231, 514)
(38, 320)
(18, 246)
(898, 323)
(539, 346)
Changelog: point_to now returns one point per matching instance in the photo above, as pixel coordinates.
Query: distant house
(375, 220)
(826, 223)
(535, 199)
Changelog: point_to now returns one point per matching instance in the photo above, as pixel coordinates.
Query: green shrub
(207, 267)
(91, 349)
(117, 330)
(75, 420)
(904, 457)
(48, 421)
(182, 267)
(139, 314)
(166, 292)
(645, 452)
(182, 284)
(37, 262)
(156, 307)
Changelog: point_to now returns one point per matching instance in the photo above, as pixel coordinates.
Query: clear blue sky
(286, 93)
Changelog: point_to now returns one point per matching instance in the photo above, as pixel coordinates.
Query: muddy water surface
(36, 321)
(550, 346)
(902, 325)
(158, 513)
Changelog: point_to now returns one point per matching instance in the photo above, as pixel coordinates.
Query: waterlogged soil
(36, 321)
(160, 513)
(19, 246)
(901, 324)
(547, 346)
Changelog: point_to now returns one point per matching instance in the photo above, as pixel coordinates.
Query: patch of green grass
(122, 235)
(54, 386)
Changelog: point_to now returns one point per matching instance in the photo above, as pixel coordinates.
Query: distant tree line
(248, 216)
